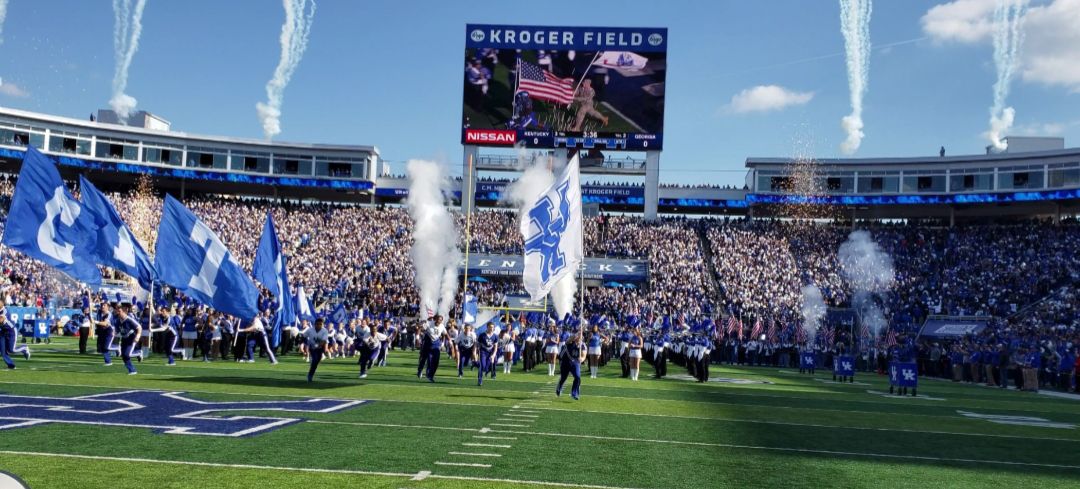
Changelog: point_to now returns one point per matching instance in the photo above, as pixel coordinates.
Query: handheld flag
(623, 61)
(469, 309)
(552, 234)
(303, 306)
(269, 269)
(199, 265)
(339, 315)
(115, 246)
(45, 222)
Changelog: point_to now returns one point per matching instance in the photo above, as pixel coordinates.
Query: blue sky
(388, 73)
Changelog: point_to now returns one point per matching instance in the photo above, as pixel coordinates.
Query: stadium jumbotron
(558, 308)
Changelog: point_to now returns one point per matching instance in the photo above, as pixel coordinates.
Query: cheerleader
(466, 349)
(596, 345)
(169, 323)
(507, 346)
(189, 333)
(551, 348)
(486, 345)
(339, 340)
(635, 344)
(108, 334)
(573, 353)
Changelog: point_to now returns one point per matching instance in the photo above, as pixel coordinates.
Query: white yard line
(467, 454)
(418, 476)
(483, 437)
(510, 425)
(464, 464)
(486, 445)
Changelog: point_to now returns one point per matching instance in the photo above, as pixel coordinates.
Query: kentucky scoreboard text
(572, 87)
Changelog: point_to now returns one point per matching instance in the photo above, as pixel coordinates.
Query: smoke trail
(813, 309)
(3, 15)
(523, 193)
(435, 251)
(855, 25)
(1008, 36)
(126, 31)
(294, 40)
(869, 272)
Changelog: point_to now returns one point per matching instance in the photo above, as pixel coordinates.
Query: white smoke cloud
(1051, 38)
(1008, 36)
(813, 309)
(294, 41)
(765, 98)
(435, 251)
(12, 90)
(127, 29)
(855, 26)
(869, 272)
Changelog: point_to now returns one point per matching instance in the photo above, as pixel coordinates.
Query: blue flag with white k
(115, 246)
(45, 222)
(191, 258)
(270, 270)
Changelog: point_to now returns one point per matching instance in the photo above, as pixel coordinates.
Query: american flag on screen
(542, 85)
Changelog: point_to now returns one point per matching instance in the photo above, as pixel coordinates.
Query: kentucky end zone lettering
(163, 412)
(490, 136)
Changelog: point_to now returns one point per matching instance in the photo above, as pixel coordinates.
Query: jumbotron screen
(577, 87)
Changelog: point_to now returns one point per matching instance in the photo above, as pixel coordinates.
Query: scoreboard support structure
(652, 184)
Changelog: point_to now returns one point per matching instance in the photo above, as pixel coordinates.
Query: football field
(69, 421)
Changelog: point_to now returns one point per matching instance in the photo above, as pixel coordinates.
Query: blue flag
(303, 309)
(339, 316)
(469, 310)
(115, 246)
(45, 222)
(193, 259)
(270, 270)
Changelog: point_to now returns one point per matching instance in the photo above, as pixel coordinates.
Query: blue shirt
(486, 342)
(128, 327)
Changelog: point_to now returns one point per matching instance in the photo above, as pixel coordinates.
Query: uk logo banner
(903, 374)
(844, 366)
(806, 359)
(552, 234)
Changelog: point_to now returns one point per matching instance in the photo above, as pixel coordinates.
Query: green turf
(793, 431)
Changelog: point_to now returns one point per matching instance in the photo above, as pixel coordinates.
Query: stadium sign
(952, 327)
(164, 412)
(606, 269)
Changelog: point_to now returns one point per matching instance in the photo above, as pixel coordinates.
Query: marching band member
(634, 353)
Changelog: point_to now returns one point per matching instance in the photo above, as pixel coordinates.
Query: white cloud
(12, 90)
(1052, 36)
(764, 98)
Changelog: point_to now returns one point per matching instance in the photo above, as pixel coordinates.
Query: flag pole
(468, 227)
(583, 75)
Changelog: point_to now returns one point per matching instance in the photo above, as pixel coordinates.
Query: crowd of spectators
(1022, 275)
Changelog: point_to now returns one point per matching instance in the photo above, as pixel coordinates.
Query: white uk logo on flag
(909, 374)
(68, 210)
(215, 254)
